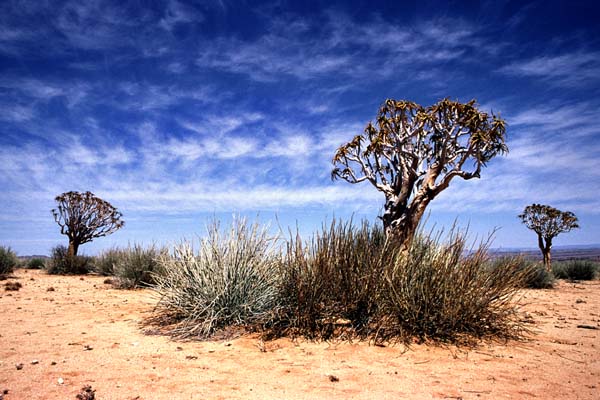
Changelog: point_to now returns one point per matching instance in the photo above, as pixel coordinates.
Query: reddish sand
(86, 333)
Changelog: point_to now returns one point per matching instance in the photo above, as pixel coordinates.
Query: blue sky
(177, 111)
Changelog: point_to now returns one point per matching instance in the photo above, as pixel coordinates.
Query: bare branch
(412, 150)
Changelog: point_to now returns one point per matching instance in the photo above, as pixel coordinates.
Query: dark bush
(8, 260)
(36, 263)
(61, 263)
(135, 266)
(576, 270)
(331, 286)
(352, 282)
(445, 292)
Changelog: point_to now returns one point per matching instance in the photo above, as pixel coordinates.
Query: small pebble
(19, 366)
(34, 362)
(61, 381)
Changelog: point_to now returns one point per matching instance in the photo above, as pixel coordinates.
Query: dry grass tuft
(136, 266)
(231, 281)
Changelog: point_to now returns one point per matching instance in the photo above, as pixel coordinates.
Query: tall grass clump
(331, 284)
(135, 266)
(351, 282)
(231, 280)
(444, 291)
(62, 263)
(576, 270)
(105, 262)
(8, 260)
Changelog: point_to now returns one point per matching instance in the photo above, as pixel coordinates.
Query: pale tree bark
(412, 153)
(401, 222)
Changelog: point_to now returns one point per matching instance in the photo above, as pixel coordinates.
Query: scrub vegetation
(8, 261)
(346, 282)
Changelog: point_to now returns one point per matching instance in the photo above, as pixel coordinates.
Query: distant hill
(560, 253)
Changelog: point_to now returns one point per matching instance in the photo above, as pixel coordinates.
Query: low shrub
(576, 270)
(104, 263)
(8, 260)
(445, 292)
(135, 266)
(230, 281)
(61, 263)
(538, 276)
(36, 263)
(346, 282)
(331, 285)
(351, 282)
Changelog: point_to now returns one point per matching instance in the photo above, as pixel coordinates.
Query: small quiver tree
(547, 222)
(84, 217)
(412, 153)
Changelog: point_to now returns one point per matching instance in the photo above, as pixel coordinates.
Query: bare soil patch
(85, 333)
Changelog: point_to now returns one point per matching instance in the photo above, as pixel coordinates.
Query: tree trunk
(548, 260)
(546, 246)
(401, 223)
(548, 254)
(73, 248)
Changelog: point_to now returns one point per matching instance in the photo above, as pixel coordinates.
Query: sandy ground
(86, 333)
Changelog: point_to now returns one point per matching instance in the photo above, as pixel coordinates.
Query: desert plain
(59, 334)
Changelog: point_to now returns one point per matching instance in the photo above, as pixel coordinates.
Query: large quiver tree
(84, 217)
(412, 153)
(547, 222)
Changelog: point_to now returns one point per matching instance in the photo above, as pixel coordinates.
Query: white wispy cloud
(558, 156)
(16, 112)
(221, 124)
(570, 69)
(136, 97)
(96, 24)
(341, 46)
(179, 13)
(185, 198)
(31, 89)
(571, 119)
(191, 149)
